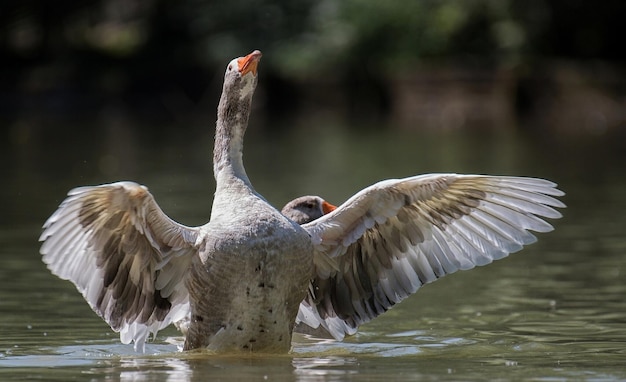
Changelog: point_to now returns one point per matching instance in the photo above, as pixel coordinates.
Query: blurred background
(556, 64)
(465, 84)
(350, 92)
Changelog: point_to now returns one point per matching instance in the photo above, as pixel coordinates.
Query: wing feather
(126, 257)
(388, 240)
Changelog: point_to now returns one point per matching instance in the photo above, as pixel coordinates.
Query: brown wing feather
(124, 255)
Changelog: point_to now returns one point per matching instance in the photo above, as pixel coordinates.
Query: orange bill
(249, 63)
(327, 207)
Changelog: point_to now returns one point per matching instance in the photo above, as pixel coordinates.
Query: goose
(250, 274)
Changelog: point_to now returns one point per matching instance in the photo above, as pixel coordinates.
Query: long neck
(232, 120)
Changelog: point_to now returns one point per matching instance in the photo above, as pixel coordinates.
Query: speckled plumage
(249, 279)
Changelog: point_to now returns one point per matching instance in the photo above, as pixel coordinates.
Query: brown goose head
(305, 209)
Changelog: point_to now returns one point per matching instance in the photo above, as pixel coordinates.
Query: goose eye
(230, 67)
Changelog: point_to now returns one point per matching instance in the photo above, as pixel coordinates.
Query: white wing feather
(388, 240)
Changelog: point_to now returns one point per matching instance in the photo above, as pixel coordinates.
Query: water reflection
(324, 369)
(233, 368)
(162, 369)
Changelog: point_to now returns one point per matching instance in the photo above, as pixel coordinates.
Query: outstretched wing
(397, 235)
(126, 257)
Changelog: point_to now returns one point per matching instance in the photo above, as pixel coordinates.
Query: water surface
(554, 311)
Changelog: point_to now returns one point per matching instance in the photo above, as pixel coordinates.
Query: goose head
(240, 78)
(305, 209)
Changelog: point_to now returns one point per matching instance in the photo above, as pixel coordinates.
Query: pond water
(555, 311)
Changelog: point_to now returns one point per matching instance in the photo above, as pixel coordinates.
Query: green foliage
(122, 46)
(400, 33)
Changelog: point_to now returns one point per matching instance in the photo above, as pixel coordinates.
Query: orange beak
(249, 63)
(327, 207)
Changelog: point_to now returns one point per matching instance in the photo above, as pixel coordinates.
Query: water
(555, 311)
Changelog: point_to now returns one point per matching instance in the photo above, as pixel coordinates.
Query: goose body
(242, 281)
(251, 274)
